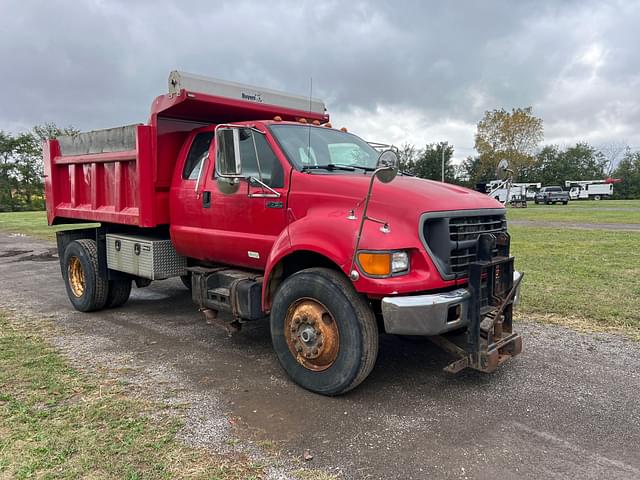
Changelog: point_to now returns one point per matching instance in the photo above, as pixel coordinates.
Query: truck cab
(266, 211)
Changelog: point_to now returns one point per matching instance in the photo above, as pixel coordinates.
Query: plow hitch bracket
(490, 339)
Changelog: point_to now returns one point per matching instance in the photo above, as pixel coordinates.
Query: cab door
(187, 215)
(244, 197)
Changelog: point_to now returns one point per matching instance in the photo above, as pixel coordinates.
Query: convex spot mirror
(387, 167)
(503, 168)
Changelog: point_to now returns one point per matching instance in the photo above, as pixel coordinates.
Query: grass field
(606, 211)
(31, 223)
(58, 423)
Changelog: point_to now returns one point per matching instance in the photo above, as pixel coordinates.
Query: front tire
(86, 289)
(323, 332)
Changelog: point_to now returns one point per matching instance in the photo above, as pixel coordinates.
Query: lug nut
(319, 343)
(298, 348)
(315, 351)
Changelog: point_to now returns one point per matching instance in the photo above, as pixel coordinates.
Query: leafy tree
(21, 169)
(629, 171)
(429, 162)
(473, 170)
(580, 162)
(513, 136)
(407, 156)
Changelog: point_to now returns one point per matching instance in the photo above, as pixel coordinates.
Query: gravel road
(566, 408)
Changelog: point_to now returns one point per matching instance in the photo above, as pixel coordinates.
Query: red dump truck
(267, 212)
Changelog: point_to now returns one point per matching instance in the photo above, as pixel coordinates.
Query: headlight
(399, 262)
(383, 264)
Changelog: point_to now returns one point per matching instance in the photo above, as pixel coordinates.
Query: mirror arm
(273, 194)
(353, 274)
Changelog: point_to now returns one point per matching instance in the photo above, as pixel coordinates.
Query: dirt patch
(48, 256)
(13, 253)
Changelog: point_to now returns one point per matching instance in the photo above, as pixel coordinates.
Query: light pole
(443, 161)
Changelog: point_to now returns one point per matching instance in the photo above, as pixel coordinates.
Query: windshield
(307, 147)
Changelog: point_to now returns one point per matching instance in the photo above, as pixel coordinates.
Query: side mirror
(228, 152)
(387, 167)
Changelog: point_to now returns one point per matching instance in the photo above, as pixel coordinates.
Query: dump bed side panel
(104, 176)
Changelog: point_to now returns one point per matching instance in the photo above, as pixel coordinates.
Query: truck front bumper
(429, 315)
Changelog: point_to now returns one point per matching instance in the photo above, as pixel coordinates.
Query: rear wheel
(186, 280)
(597, 197)
(323, 332)
(119, 292)
(86, 289)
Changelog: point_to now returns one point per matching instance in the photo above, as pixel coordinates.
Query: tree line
(516, 136)
(21, 168)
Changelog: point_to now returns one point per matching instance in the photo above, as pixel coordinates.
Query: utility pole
(443, 162)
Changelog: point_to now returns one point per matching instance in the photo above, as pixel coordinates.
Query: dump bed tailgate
(104, 176)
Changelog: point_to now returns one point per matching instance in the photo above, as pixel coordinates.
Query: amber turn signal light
(378, 264)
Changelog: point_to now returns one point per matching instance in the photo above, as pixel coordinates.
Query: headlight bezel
(390, 253)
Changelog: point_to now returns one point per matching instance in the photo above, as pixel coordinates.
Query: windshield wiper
(329, 166)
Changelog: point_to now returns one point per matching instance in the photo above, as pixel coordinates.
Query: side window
(197, 153)
(266, 166)
(257, 159)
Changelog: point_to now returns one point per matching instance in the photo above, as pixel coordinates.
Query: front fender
(327, 237)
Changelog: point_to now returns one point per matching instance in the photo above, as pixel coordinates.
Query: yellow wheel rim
(76, 276)
(312, 334)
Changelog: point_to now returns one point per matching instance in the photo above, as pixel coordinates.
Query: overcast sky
(391, 71)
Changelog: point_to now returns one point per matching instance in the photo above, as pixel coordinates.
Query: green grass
(586, 211)
(589, 279)
(56, 423)
(604, 204)
(33, 224)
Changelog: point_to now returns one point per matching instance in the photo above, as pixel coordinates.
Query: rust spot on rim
(312, 334)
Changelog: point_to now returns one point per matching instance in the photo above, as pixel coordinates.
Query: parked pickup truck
(549, 195)
(267, 212)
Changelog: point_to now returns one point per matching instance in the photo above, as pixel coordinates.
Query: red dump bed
(123, 175)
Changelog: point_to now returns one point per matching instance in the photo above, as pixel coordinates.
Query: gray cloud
(395, 71)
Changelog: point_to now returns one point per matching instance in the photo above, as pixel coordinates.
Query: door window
(256, 158)
(197, 153)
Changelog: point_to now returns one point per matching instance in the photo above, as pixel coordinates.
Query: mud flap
(490, 340)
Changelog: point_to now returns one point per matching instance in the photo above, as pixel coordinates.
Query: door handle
(206, 199)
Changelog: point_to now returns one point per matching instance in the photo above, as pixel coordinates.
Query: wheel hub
(312, 334)
(76, 276)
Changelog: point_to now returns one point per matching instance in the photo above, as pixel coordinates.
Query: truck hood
(406, 196)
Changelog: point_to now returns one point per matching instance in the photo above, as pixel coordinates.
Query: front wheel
(323, 332)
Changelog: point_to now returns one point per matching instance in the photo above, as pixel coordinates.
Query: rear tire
(321, 305)
(119, 292)
(86, 289)
(186, 281)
